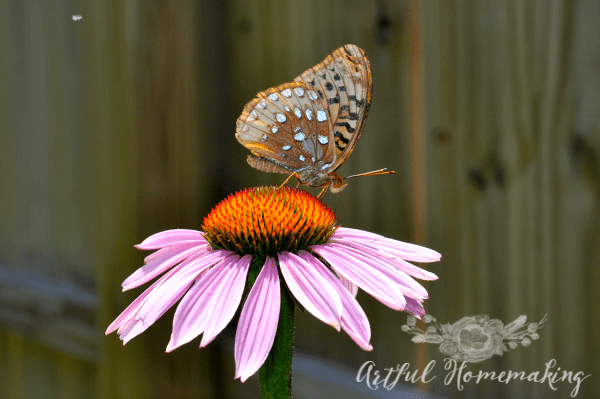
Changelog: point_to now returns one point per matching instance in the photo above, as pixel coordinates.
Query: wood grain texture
(122, 124)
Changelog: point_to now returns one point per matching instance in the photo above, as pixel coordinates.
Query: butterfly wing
(286, 128)
(343, 82)
(310, 126)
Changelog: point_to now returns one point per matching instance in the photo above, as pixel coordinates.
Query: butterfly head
(337, 185)
(315, 178)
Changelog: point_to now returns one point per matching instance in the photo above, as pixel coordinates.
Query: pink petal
(395, 261)
(177, 284)
(311, 289)
(160, 264)
(128, 324)
(350, 286)
(414, 307)
(135, 329)
(226, 298)
(191, 315)
(129, 330)
(406, 251)
(156, 254)
(171, 237)
(354, 320)
(258, 322)
(371, 279)
(210, 303)
(164, 304)
(409, 286)
(131, 311)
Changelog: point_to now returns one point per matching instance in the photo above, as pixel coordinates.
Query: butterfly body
(310, 126)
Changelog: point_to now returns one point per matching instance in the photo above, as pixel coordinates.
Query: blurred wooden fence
(121, 124)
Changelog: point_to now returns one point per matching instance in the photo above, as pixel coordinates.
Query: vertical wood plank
(114, 164)
(501, 167)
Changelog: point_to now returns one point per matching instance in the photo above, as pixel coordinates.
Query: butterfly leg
(288, 179)
(322, 192)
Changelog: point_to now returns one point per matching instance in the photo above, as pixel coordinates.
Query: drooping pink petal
(131, 311)
(395, 261)
(354, 320)
(258, 322)
(177, 284)
(160, 264)
(406, 251)
(350, 286)
(409, 286)
(129, 330)
(226, 298)
(371, 279)
(414, 307)
(311, 289)
(194, 310)
(211, 303)
(156, 254)
(164, 303)
(171, 237)
(136, 328)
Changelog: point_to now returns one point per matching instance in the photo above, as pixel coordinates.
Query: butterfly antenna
(383, 171)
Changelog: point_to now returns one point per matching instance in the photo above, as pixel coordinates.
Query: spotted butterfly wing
(310, 126)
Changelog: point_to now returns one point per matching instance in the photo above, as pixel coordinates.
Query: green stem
(276, 373)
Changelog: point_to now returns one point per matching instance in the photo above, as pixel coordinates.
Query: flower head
(291, 238)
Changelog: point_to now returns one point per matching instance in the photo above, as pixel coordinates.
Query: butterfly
(309, 127)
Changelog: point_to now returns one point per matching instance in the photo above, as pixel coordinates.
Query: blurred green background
(121, 124)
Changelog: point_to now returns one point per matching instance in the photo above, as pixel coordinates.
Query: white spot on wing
(300, 157)
(286, 93)
(321, 116)
(308, 113)
(264, 137)
(323, 139)
(286, 147)
(273, 97)
(286, 108)
(274, 129)
(262, 104)
(299, 91)
(327, 165)
(245, 128)
(299, 136)
(312, 159)
(280, 118)
(312, 95)
(298, 112)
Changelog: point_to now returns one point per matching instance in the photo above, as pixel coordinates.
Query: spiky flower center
(266, 220)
